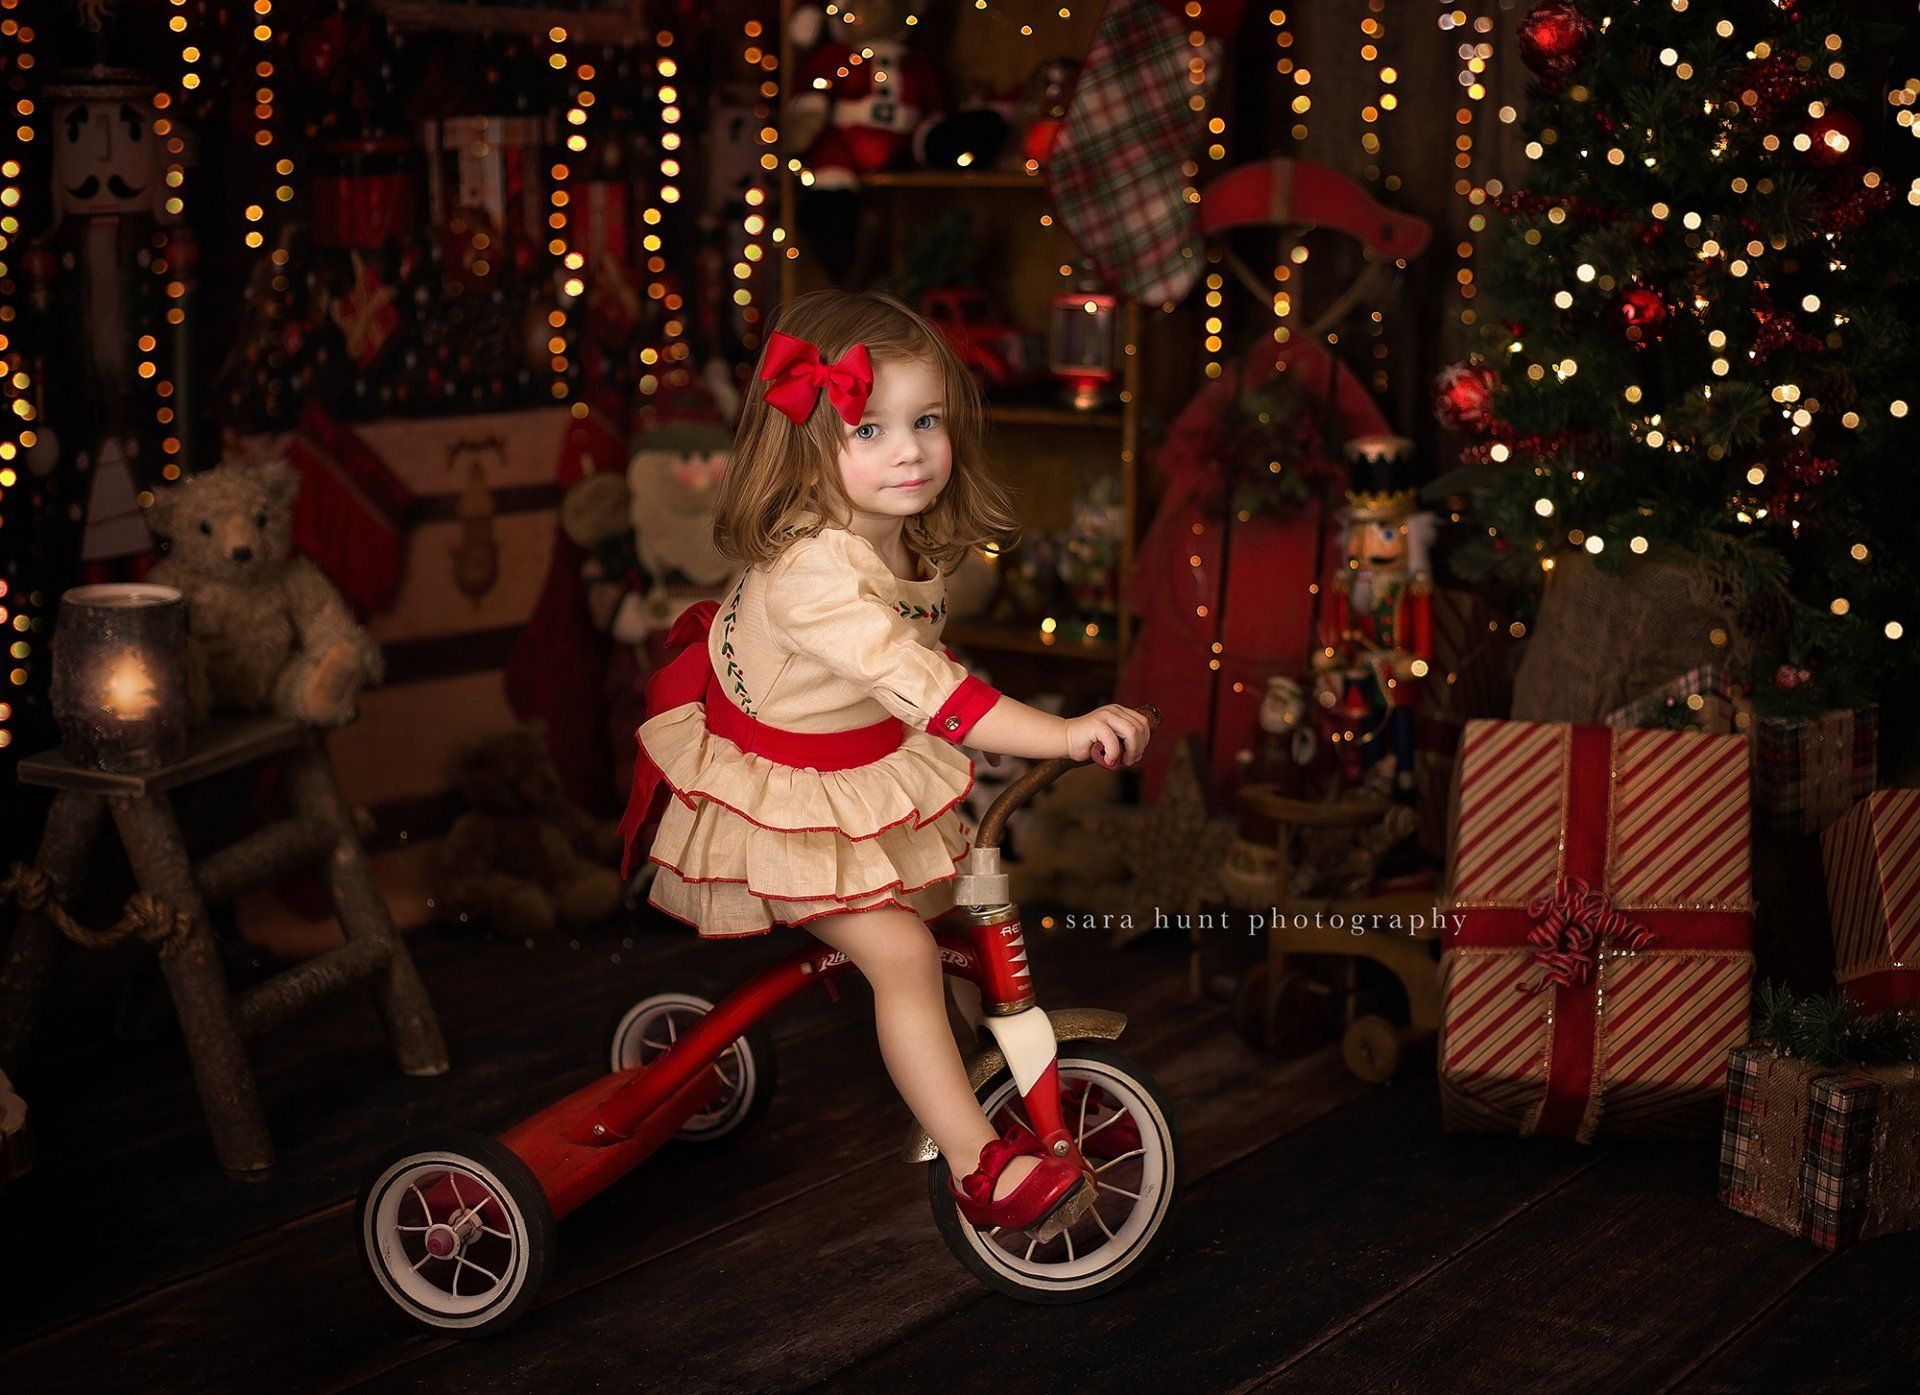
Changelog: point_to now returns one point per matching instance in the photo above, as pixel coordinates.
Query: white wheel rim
(442, 1201)
(1134, 1192)
(653, 1024)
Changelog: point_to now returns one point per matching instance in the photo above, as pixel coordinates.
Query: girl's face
(895, 462)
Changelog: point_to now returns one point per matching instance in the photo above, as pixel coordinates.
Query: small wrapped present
(1808, 773)
(1830, 1153)
(1598, 948)
(1872, 858)
(1701, 699)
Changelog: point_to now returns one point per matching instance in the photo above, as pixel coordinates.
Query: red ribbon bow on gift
(1571, 926)
(793, 367)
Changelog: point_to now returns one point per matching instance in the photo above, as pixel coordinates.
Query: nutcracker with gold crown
(1377, 630)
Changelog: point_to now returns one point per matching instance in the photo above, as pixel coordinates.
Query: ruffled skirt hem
(746, 844)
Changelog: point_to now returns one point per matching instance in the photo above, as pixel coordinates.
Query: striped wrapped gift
(1830, 1153)
(1598, 952)
(1872, 857)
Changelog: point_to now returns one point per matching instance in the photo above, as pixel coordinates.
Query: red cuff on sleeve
(969, 703)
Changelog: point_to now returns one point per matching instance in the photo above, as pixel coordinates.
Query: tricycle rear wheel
(457, 1231)
(748, 1070)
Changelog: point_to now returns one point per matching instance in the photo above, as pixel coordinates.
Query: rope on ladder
(145, 917)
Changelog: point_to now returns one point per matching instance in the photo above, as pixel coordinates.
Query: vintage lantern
(1080, 346)
(119, 676)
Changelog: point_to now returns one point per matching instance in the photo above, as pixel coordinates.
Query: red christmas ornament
(1463, 397)
(1787, 677)
(1640, 315)
(1555, 38)
(1835, 138)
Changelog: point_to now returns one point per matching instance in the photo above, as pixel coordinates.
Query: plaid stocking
(1116, 168)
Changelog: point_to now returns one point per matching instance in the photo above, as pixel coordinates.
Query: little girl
(815, 769)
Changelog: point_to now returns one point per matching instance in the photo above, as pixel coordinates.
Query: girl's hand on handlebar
(1112, 735)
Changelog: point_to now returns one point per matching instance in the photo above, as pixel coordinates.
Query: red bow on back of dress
(677, 682)
(795, 375)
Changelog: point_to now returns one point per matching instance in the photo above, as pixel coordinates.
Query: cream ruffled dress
(824, 639)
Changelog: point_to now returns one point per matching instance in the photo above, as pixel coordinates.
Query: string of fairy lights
(674, 347)
(1299, 105)
(1373, 114)
(255, 235)
(570, 263)
(1475, 53)
(764, 64)
(17, 431)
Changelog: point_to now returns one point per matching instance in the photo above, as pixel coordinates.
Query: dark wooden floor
(1330, 1238)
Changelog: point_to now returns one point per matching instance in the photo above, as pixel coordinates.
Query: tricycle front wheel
(1126, 1131)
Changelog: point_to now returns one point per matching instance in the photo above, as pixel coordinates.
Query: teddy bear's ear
(281, 481)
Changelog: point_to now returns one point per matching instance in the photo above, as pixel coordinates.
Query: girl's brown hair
(782, 471)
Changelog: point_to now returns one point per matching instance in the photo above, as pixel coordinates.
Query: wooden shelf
(1026, 639)
(954, 179)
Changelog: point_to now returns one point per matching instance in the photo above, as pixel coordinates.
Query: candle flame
(128, 692)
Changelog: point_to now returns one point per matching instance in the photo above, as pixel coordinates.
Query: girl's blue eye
(864, 431)
(929, 421)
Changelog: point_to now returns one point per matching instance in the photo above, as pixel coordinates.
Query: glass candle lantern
(1080, 346)
(119, 677)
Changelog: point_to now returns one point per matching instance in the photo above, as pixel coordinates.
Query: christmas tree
(1700, 331)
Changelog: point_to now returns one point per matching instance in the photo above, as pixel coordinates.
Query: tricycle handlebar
(1028, 785)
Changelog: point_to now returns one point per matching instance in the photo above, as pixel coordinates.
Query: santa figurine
(862, 95)
(1377, 631)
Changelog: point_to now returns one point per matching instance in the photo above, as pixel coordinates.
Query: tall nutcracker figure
(1377, 631)
(102, 297)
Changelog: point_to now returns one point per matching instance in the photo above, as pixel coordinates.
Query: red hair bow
(796, 374)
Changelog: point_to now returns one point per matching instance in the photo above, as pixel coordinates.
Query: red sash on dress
(689, 677)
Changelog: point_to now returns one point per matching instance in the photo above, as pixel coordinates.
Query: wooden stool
(318, 835)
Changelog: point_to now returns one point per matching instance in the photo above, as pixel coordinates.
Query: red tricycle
(459, 1229)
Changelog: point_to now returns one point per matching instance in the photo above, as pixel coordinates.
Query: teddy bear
(266, 630)
(522, 858)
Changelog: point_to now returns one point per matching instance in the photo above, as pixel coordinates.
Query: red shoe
(1048, 1199)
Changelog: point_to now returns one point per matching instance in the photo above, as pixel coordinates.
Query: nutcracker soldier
(1377, 631)
(103, 295)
